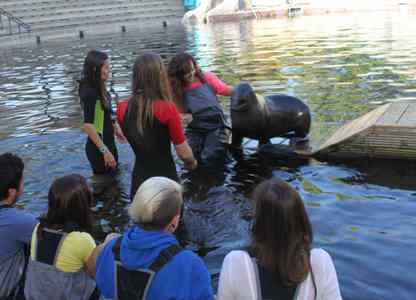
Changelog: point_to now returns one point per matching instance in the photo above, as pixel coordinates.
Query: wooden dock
(386, 132)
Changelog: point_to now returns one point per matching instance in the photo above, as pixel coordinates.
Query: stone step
(47, 16)
(70, 8)
(121, 18)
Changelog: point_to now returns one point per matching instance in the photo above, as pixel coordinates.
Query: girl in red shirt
(151, 122)
(195, 94)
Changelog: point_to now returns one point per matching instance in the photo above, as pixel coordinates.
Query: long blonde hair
(149, 83)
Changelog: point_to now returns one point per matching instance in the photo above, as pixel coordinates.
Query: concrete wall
(52, 15)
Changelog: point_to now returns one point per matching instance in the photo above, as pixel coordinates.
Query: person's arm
(184, 152)
(325, 276)
(91, 263)
(89, 112)
(168, 114)
(220, 87)
(109, 160)
(24, 226)
(237, 277)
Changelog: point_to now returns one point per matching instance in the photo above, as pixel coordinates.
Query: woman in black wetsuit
(151, 122)
(98, 125)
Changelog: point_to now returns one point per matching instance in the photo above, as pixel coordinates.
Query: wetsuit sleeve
(217, 84)
(89, 100)
(167, 113)
(121, 110)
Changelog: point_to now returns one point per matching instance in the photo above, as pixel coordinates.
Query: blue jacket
(184, 277)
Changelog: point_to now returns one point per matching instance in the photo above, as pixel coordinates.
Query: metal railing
(12, 22)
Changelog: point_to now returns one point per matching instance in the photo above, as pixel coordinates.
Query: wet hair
(69, 201)
(149, 83)
(157, 201)
(281, 234)
(91, 75)
(179, 67)
(11, 173)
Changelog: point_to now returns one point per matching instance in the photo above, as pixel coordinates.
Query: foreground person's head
(11, 178)
(69, 201)
(281, 233)
(157, 204)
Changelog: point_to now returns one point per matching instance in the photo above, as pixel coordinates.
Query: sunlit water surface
(363, 213)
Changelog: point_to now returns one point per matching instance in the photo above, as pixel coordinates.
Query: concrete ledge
(309, 9)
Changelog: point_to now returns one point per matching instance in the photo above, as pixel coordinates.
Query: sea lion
(261, 118)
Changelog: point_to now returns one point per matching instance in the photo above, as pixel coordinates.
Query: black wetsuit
(101, 119)
(153, 148)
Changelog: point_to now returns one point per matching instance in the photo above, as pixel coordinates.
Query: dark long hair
(281, 234)
(69, 201)
(91, 75)
(179, 66)
(149, 83)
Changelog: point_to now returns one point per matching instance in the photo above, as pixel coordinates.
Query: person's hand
(186, 119)
(191, 165)
(119, 134)
(111, 236)
(109, 160)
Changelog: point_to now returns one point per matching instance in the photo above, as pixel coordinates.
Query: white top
(238, 279)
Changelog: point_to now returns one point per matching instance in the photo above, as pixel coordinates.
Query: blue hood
(140, 248)
(184, 277)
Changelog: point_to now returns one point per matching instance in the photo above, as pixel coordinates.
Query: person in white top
(280, 264)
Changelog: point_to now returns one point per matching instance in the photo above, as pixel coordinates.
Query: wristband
(103, 149)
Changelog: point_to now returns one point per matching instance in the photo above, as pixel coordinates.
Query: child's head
(11, 177)
(281, 233)
(96, 72)
(157, 204)
(69, 201)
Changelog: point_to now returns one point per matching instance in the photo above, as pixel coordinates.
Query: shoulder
(321, 261)
(164, 110)
(21, 217)
(88, 93)
(164, 105)
(81, 239)
(319, 255)
(237, 256)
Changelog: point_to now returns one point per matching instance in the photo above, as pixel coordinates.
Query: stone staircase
(52, 15)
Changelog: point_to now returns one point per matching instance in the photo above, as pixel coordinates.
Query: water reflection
(362, 212)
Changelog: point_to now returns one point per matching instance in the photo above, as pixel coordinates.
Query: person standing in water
(98, 123)
(195, 94)
(150, 121)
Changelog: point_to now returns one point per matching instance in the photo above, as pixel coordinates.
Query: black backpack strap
(164, 257)
(116, 248)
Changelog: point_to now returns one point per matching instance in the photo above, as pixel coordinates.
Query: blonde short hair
(157, 201)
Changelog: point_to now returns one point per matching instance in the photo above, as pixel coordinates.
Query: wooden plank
(354, 127)
(393, 114)
(409, 116)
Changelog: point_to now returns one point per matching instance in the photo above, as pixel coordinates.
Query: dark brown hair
(281, 233)
(11, 173)
(69, 201)
(179, 66)
(91, 75)
(149, 83)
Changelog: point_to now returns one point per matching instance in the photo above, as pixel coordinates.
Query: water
(342, 66)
